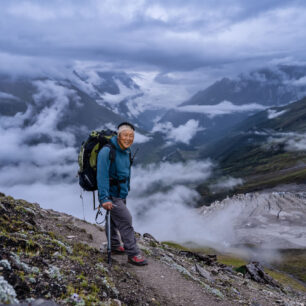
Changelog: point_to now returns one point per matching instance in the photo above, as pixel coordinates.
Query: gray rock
(204, 273)
(5, 264)
(39, 302)
(256, 273)
(149, 236)
(207, 259)
(7, 292)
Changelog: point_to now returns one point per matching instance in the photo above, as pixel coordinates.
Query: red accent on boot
(118, 250)
(137, 260)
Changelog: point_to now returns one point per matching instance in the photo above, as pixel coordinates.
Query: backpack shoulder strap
(132, 157)
(112, 152)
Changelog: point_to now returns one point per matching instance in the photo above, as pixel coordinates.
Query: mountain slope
(265, 152)
(227, 102)
(269, 87)
(51, 255)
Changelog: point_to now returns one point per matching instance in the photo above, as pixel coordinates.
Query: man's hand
(107, 205)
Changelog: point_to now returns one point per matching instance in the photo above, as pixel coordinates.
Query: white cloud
(140, 138)
(156, 93)
(274, 113)
(124, 93)
(34, 149)
(59, 196)
(297, 143)
(161, 199)
(292, 141)
(300, 82)
(226, 183)
(168, 175)
(4, 95)
(223, 108)
(183, 133)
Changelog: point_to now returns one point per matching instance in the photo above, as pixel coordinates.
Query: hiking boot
(137, 260)
(118, 250)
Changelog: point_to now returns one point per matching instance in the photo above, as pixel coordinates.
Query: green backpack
(88, 157)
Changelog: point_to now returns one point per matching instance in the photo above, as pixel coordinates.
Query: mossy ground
(61, 267)
(175, 245)
(286, 280)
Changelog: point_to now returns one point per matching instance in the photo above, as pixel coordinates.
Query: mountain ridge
(262, 151)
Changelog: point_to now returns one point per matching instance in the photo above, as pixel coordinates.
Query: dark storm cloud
(168, 35)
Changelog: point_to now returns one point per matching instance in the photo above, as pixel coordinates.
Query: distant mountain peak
(270, 86)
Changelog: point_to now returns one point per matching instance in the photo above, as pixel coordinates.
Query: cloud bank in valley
(35, 149)
(292, 141)
(225, 183)
(222, 108)
(183, 133)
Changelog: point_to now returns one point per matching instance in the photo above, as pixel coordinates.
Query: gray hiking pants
(121, 223)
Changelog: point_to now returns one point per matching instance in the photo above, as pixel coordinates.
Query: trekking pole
(109, 251)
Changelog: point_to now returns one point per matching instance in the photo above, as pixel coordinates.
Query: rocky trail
(56, 257)
(166, 283)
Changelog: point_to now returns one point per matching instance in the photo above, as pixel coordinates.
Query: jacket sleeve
(103, 165)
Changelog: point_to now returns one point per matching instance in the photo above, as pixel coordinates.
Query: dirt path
(166, 282)
(171, 284)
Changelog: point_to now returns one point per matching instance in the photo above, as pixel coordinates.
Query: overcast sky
(182, 40)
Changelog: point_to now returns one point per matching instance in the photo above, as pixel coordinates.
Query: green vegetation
(286, 280)
(175, 245)
(231, 260)
(77, 259)
(298, 176)
(293, 263)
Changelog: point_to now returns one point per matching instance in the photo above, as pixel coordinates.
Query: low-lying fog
(162, 199)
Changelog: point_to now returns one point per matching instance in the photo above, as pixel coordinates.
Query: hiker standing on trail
(113, 179)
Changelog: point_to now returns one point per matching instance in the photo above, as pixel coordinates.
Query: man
(113, 178)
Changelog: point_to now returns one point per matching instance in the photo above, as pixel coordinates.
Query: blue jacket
(118, 169)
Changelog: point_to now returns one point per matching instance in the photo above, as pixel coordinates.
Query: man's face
(125, 139)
